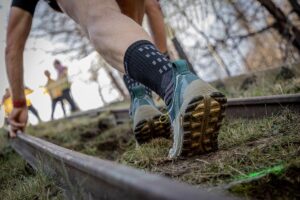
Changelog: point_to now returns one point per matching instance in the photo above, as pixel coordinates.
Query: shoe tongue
(138, 91)
(181, 66)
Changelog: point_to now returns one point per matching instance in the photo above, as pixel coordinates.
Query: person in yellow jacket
(8, 105)
(55, 91)
(62, 72)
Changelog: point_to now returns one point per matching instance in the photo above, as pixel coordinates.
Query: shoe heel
(157, 127)
(201, 124)
(161, 127)
(142, 132)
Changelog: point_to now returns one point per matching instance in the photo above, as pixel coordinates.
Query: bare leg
(67, 96)
(134, 11)
(110, 31)
(156, 22)
(34, 112)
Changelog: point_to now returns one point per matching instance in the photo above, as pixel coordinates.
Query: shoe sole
(156, 127)
(201, 123)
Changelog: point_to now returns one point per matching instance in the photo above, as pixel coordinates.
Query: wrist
(19, 103)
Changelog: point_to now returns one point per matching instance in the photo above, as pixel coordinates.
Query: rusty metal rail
(253, 107)
(88, 177)
(258, 107)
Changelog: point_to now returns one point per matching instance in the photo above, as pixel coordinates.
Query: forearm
(19, 25)
(14, 67)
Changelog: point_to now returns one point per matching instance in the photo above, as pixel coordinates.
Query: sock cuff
(130, 50)
(144, 63)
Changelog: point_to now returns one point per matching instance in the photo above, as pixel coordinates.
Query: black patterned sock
(144, 63)
(130, 83)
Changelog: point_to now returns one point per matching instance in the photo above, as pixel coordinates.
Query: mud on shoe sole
(198, 126)
(156, 127)
(201, 123)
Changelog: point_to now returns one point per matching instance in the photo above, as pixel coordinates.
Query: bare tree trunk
(116, 84)
(283, 25)
(226, 30)
(101, 95)
(210, 47)
(181, 53)
(246, 25)
(296, 6)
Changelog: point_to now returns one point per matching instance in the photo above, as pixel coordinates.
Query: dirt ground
(245, 147)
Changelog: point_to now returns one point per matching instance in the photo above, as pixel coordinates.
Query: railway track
(87, 177)
(259, 107)
(253, 107)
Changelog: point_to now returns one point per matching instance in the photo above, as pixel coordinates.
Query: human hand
(17, 120)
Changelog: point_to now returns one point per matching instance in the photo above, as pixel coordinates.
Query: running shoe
(148, 121)
(196, 113)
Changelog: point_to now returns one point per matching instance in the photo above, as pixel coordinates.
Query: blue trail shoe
(196, 113)
(148, 121)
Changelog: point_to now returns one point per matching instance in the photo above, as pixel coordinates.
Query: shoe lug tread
(197, 141)
(147, 130)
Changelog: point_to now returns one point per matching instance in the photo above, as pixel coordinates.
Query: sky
(36, 60)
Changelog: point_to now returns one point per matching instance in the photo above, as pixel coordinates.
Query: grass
(265, 89)
(98, 137)
(245, 146)
(284, 81)
(283, 185)
(18, 181)
(148, 155)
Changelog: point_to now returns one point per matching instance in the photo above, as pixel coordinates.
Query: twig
(202, 161)
(236, 170)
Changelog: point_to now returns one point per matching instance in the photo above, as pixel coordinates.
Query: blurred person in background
(8, 105)
(30, 106)
(63, 80)
(54, 89)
